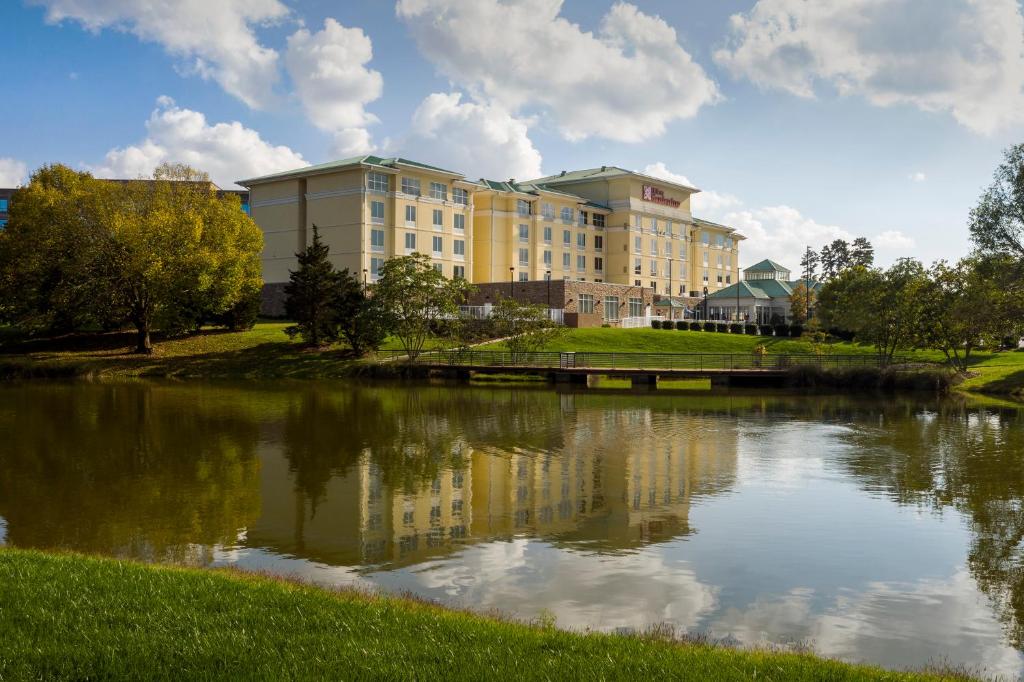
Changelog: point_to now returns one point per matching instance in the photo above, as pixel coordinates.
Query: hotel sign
(656, 196)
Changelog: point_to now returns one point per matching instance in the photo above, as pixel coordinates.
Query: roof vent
(604, 168)
(562, 174)
(511, 181)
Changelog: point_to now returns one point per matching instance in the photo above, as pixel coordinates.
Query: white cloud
(12, 172)
(893, 240)
(917, 177)
(328, 69)
(705, 204)
(660, 170)
(961, 56)
(452, 134)
(215, 37)
(227, 151)
(625, 82)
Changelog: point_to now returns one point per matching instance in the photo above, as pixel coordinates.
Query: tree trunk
(143, 344)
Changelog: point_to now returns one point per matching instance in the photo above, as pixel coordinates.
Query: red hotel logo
(655, 195)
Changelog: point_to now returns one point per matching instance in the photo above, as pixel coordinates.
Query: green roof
(535, 188)
(352, 161)
(766, 265)
(604, 172)
(762, 289)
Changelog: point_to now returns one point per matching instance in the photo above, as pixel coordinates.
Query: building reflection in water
(614, 480)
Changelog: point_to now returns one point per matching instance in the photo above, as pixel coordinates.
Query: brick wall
(565, 294)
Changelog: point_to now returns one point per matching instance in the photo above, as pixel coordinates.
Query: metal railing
(639, 322)
(639, 361)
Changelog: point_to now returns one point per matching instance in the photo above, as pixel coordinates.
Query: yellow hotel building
(602, 225)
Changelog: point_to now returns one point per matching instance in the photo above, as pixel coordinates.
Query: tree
(316, 295)
(526, 327)
(880, 307)
(964, 308)
(835, 258)
(809, 263)
(800, 303)
(997, 222)
(862, 253)
(415, 298)
(361, 318)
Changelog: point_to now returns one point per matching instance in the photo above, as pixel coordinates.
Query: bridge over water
(642, 369)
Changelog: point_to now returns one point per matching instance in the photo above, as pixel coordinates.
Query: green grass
(72, 617)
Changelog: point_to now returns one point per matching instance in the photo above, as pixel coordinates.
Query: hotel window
(705, 259)
(438, 219)
(654, 268)
(654, 286)
(375, 264)
(583, 217)
(411, 186)
(668, 227)
(636, 282)
(581, 240)
(598, 263)
(654, 224)
(524, 233)
(581, 263)
(728, 262)
(638, 266)
(705, 238)
(728, 242)
(668, 249)
(598, 242)
(438, 246)
(566, 237)
(720, 240)
(705, 277)
(638, 244)
(377, 240)
(728, 279)
(410, 241)
(377, 212)
(654, 247)
(547, 258)
(547, 235)
(638, 222)
(524, 277)
(587, 304)
(565, 261)
(245, 207)
(522, 207)
(682, 251)
(636, 307)
(439, 190)
(460, 196)
(439, 267)
(459, 248)
(524, 256)
(719, 261)
(3, 205)
(598, 220)
(566, 215)
(410, 216)
(377, 182)
(459, 272)
(548, 211)
(719, 280)
(611, 307)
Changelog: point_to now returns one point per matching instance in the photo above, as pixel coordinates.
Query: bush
(735, 328)
(765, 330)
(796, 331)
(696, 326)
(709, 326)
(242, 315)
(782, 330)
(721, 328)
(750, 329)
(655, 324)
(682, 325)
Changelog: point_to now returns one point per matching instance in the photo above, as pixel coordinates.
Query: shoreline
(226, 623)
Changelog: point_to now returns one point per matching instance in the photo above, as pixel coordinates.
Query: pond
(879, 530)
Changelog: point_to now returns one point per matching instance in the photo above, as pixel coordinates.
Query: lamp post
(705, 304)
(548, 276)
(364, 279)
(737, 292)
(512, 282)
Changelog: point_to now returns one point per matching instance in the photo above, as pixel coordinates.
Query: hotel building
(602, 225)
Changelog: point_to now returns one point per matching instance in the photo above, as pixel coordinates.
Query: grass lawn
(72, 617)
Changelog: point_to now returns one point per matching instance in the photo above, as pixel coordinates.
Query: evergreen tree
(316, 295)
(862, 252)
(809, 263)
(362, 319)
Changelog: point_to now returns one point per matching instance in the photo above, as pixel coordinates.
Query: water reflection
(880, 530)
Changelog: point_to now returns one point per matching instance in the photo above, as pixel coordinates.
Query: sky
(802, 122)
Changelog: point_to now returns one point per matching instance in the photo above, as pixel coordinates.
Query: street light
(705, 303)
(548, 276)
(364, 279)
(512, 282)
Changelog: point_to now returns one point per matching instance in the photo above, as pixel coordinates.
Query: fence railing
(483, 312)
(639, 322)
(639, 361)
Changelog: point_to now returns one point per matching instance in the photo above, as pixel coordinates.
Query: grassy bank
(71, 617)
(264, 352)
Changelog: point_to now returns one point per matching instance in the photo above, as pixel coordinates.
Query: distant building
(763, 297)
(5, 204)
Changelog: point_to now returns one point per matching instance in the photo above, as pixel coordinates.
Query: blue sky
(801, 121)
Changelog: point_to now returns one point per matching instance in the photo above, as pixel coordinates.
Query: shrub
(709, 326)
(696, 326)
(655, 324)
(782, 330)
(667, 324)
(765, 330)
(722, 328)
(682, 325)
(796, 331)
(606, 326)
(751, 329)
(735, 328)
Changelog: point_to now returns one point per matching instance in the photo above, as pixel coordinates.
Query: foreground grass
(72, 617)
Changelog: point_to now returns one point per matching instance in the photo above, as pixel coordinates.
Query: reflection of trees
(137, 470)
(973, 461)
